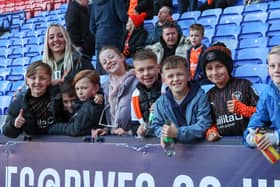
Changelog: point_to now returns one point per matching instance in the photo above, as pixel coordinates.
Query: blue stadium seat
(228, 18)
(27, 27)
(4, 104)
(17, 73)
(16, 42)
(230, 43)
(149, 26)
(4, 72)
(33, 50)
(191, 15)
(5, 87)
(208, 35)
(233, 10)
(212, 12)
(31, 34)
(273, 6)
(274, 40)
(253, 42)
(273, 29)
(31, 41)
(274, 17)
(4, 52)
(36, 20)
(208, 21)
(256, 73)
(176, 16)
(5, 62)
(25, 61)
(16, 52)
(251, 56)
(36, 58)
(229, 31)
(255, 8)
(253, 30)
(185, 24)
(5, 43)
(15, 86)
(256, 17)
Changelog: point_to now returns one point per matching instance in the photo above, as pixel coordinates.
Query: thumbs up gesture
(20, 119)
(230, 104)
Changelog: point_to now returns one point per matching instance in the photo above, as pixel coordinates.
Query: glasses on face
(107, 107)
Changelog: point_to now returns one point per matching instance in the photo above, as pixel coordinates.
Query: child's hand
(98, 99)
(264, 142)
(98, 132)
(152, 107)
(20, 120)
(230, 106)
(268, 139)
(213, 136)
(162, 144)
(141, 131)
(119, 131)
(169, 130)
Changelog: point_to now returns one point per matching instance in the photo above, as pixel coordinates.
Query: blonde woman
(59, 53)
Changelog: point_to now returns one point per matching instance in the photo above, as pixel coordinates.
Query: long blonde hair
(47, 53)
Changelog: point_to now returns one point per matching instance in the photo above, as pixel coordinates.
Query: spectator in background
(158, 4)
(107, 22)
(117, 92)
(194, 54)
(136, 36)
(164, 15)
(64, 59)
(210, 4)
(77, 19)
(171, 43)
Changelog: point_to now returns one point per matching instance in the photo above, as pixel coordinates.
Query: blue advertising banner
(57, 164)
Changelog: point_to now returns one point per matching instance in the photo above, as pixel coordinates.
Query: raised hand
(20, 120)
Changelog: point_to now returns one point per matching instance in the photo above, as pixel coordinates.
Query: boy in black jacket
(39, 108)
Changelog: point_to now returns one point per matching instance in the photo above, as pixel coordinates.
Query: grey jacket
(117, 104)
(181, 49)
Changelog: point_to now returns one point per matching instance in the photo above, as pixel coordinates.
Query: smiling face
(177, 80)
(217, 73)
(56, 41)
(85, 89)
(274, 67)
(112, 62)
(38, 82)
(146, 71)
